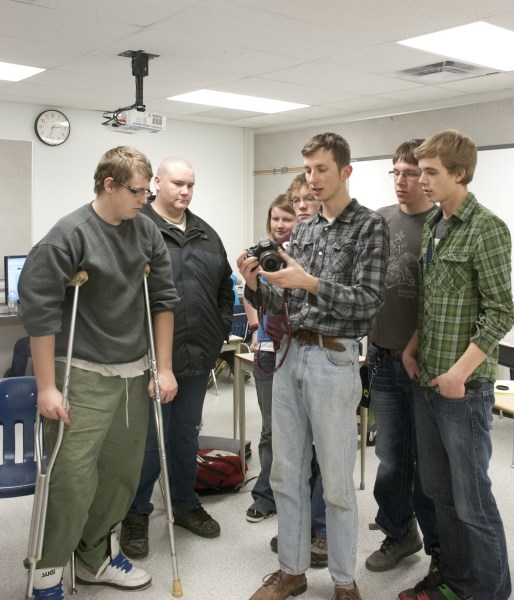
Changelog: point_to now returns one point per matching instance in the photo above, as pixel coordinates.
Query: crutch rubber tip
(177, 589)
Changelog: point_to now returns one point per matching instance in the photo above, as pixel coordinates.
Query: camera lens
(270, 261)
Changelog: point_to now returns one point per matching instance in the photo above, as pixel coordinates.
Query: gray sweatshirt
(110, 323)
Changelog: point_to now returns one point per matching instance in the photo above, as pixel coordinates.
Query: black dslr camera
(266, 252)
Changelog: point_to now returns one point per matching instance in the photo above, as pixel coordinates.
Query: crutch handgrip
(78, 279)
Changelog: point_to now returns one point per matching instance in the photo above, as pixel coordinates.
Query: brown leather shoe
(281, 585)
(341, 593)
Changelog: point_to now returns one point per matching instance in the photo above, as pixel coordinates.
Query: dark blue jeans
(397, 489)
(454, 449)
(262, 493)
(181, 420)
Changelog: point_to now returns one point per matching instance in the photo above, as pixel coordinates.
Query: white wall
(63, 176)
(487, 123)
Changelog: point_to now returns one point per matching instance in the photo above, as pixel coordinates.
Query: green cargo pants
(96, 474)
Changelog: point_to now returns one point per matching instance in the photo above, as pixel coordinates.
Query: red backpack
(218, 470)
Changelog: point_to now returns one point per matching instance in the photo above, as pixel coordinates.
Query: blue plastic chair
(18, 404)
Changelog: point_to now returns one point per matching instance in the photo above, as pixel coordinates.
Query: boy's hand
(168, 386)
(49, 402)
(292, 276)
(248, 267)
(449, 385)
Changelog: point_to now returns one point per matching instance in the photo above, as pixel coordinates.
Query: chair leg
(364, 435)
(213, 374)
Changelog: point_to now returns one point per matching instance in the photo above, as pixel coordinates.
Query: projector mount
(139, 64)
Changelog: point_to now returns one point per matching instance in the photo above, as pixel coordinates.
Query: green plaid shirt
(465, 290)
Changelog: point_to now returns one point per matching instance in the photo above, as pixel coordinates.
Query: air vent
(440, 72)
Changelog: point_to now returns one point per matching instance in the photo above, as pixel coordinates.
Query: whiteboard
(372, 185)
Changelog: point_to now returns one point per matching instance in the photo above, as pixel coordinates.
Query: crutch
(177, 586)
(44, 469)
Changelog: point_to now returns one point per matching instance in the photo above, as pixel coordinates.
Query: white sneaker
(118, 572)
(48, 584)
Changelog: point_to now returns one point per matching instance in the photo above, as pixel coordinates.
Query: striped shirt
(349, 257)
(465, 290)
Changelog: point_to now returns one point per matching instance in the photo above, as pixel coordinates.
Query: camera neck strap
(260, 313)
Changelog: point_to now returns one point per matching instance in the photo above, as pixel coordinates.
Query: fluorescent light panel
(12, 72)
(479, 43)
(237, 101)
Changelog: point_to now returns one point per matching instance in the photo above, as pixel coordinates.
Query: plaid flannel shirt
(349, 257)
(465, 290)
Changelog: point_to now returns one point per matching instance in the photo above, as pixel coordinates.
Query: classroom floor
(231, 567)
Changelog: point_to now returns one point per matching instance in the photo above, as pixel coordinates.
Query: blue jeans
(181, 420)
(454, 449)
(262, 493)
(315, 396)
(397, 489)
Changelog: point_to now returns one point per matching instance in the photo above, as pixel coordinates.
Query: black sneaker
(198, 521)
(435, 559)
(255, 515)
(134, 535)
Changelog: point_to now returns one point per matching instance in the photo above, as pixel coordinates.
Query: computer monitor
(12, 269)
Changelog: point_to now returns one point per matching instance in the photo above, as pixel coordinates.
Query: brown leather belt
(331, 342)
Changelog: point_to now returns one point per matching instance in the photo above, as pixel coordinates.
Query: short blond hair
(455, 150)
(298, 183)
(121, 163)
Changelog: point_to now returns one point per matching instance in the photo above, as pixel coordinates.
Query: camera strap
(260, 314)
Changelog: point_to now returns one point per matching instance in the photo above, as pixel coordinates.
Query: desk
(506, 351)
(243, 363)
(504, 401)
(232, 345)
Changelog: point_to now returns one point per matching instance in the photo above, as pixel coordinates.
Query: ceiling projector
(132, 121)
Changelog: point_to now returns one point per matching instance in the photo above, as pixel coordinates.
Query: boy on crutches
(96, 472)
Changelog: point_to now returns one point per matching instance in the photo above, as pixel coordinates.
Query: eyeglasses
(307, 200)
(410, 175)
(137, 192)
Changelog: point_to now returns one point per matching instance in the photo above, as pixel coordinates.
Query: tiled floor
(231, 566)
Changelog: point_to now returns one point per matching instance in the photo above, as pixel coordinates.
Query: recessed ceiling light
(237, 101)
(12, 72)
(479, 43)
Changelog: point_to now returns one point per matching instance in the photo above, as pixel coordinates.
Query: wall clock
(52, 127)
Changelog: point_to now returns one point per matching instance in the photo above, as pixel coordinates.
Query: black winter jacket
(201, 274)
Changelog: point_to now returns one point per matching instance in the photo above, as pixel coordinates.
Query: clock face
(52, 127)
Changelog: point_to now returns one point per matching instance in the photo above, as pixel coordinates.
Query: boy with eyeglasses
(465, 309)
(97, 469)
(397, 490)
(305, 205)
